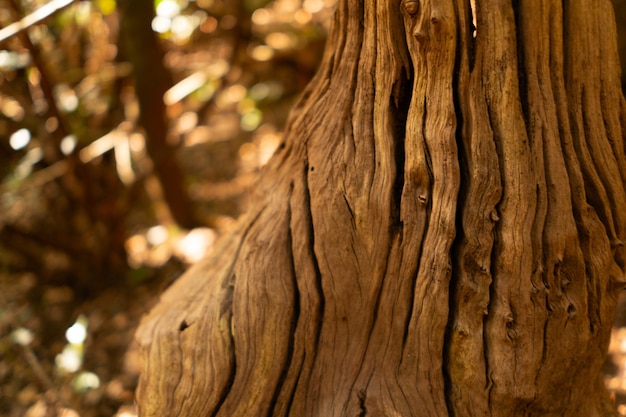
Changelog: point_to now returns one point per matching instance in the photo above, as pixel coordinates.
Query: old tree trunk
(440, 234)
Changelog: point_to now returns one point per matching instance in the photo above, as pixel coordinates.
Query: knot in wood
(411, 6)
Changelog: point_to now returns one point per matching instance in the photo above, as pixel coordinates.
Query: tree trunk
(152, 80)
(440, 234)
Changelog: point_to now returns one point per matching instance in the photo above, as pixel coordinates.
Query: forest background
(130, 131)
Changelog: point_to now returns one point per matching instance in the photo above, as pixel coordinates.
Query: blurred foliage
(77, 181)
(88, 234)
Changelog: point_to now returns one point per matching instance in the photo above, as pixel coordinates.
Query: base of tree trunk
(440, 234)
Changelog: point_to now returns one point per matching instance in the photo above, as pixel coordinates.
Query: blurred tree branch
(53, 153)
(152, 80)
(33, 18)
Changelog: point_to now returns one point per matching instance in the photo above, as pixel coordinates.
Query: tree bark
(440, 234)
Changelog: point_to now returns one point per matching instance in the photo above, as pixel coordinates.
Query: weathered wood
(441, 232)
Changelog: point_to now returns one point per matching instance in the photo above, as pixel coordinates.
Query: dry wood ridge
(441, 232)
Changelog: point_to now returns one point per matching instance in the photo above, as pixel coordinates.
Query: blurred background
(130, 131)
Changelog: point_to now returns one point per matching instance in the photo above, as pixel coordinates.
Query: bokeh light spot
(20, 139)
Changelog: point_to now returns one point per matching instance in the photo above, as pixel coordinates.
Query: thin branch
(46, 85)
(35, 17)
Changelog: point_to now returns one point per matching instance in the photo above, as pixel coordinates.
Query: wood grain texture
(441, 232)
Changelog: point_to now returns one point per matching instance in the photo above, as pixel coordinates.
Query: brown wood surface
(440, 234)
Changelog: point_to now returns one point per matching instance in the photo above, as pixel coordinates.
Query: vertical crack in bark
(294, 319)
(352, 218)
(597, 194)
(227, 308)
(318, 273)
(400, 112)
(522, 82)
(292, 396)
(463, 63)
(231, 379)
(399, 103)
(492, 272)
(429, 163)
(361, 395)
(413, 275)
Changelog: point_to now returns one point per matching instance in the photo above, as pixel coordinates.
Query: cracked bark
(440, 234)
